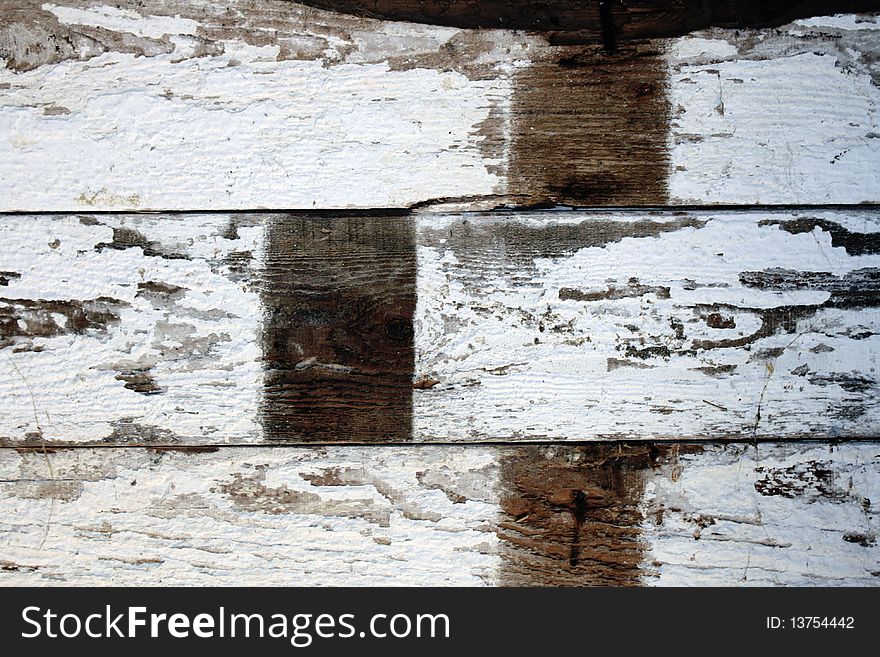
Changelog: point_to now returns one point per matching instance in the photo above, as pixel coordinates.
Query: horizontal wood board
(289, 328)
(164, 105)
(739, 515)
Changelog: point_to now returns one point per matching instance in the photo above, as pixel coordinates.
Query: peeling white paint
(123, 20)
(239, 130)
(514, 360)
(319, 110)
(716, 531)
(693, 47)
(251, 516)
(787, 130)
(170, 513)
(201, 350)
(840, 22)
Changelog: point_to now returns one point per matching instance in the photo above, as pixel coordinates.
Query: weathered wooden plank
(131, 307)
(591, 129)
(785, 514)
(241, 328)
(192, 105)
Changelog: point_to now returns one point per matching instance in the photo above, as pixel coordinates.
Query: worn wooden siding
(651, 514)
(194, 105)
(175, 385)
(216, 329)
(664, 324)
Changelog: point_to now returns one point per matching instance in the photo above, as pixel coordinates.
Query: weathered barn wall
(299, 294)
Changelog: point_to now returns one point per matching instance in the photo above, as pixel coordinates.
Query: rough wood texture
(588, 128)
(167, 338)
(338, 303)
(655, 515)
(167, 104)
(130, 304)
(215, 329)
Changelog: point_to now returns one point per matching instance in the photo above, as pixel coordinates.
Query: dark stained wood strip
(573, 516)
(589, 127)
(597, 21)
(339, 296)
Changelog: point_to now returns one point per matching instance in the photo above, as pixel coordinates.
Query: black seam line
(609, 29)
(420, 210)
(629, 442)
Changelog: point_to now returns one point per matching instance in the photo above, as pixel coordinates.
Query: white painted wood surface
(737, 515)
(819, 529)
(568, 325)
(199, 327)
(192, 105)
(536, 326)
(145, 329)
(782, 116)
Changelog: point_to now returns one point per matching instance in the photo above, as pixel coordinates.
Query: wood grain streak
(575, 514)
(589, 128)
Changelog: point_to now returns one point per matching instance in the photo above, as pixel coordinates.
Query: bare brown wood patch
(33, 318)
(589, 127)
(853, 242)
(572, 514)
(476, 239)
(339, 297)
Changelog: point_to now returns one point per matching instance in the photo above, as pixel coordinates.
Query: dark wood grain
(590, 128)
(573, 515)
(339, 296)
(596, 21)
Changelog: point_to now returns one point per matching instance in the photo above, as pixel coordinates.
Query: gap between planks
(429, 444)
(429, 208)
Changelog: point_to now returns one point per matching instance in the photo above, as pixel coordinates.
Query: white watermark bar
(430, 620)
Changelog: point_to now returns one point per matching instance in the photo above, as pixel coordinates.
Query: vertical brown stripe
(589, 127)
(572, 515)
(339, 296)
